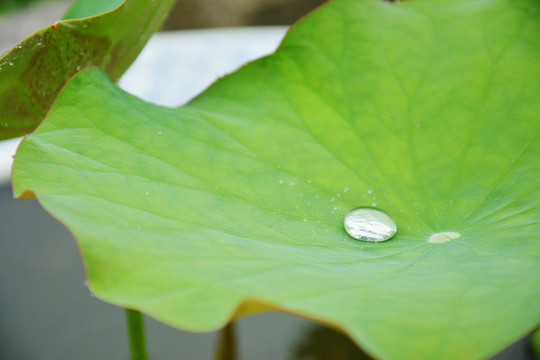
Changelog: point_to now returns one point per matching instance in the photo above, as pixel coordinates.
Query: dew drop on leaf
(369, 224)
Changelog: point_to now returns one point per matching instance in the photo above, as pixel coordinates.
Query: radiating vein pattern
(425, 109)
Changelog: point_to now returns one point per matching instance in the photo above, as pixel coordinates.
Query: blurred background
(46, 311)
(19, 18)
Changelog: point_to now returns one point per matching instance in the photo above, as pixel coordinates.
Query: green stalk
(137, 340)
(226, 346)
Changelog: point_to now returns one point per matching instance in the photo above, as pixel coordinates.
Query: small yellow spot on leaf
(439, 238)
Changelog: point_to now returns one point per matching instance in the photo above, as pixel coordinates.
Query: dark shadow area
(322, 343)
(196, 14)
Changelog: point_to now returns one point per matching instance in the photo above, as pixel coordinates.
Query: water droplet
(368, 224)
(10, 64)
(147, 193)
(280, 182)
(370, 191)
(309, 181)
(293, 183)
(346, 189)
(439, 238)
(159, 132)
(87, 285)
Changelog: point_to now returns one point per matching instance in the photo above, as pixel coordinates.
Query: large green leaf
(34, 72)
(235, 203)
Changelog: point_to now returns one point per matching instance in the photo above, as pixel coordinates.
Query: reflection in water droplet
(439, 238)
(369, 224)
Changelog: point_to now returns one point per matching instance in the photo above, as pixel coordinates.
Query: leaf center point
(442, 237)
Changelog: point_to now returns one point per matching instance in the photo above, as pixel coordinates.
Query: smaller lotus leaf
(33, 73)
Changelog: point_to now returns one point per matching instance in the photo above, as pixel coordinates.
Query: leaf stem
(137, 340)
(226, 346)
